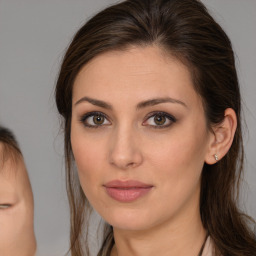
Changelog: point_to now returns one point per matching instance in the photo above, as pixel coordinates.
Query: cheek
(89, 157)
(176, 168)
(182, 149)
(180, 156)
(13, 224)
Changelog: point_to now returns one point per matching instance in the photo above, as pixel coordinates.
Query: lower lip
(127, 194)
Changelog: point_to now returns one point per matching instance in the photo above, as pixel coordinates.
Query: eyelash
(172, 119)
(5, 206)
(85, 117)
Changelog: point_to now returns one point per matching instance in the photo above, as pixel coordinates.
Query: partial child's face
(139, 138)
(16, 210)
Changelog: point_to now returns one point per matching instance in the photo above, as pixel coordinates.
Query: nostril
(124, 152)
(126, 161)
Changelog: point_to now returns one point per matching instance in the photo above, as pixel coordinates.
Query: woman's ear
(222, 137)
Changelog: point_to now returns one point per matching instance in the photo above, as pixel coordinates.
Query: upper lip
(126, 184)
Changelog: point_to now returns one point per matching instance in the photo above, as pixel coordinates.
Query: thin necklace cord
(202, 248)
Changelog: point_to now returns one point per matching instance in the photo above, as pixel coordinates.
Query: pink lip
(127, 191)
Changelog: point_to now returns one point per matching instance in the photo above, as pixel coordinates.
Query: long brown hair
(184, 29)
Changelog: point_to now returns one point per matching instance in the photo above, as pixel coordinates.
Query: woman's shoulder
(208, 248)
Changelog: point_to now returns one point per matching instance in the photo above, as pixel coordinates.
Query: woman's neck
(183, 236)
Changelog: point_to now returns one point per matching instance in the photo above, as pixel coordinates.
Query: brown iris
(98, 119)
(159, 120)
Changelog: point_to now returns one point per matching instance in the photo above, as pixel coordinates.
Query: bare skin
(16, 210)
(136, 116)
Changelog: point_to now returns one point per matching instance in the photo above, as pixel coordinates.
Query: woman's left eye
(159, 120)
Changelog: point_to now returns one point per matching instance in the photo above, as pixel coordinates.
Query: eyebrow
(95, 102)
(153, 102)
(143, 104)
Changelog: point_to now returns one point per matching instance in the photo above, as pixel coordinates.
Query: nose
(125, 151)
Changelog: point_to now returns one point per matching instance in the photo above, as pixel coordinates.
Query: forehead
(135, 61)
(14, 179)
(136, 73)
(12, 166)
(9, 156)
(140, 70)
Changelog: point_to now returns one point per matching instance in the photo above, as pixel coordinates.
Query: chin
(129, 219)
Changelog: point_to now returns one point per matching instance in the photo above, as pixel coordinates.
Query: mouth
(127, 191)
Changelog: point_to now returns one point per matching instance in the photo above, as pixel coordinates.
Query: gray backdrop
(33, 38)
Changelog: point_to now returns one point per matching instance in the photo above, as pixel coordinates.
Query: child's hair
(9, 148)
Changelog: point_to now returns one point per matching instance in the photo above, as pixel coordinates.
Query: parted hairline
(9, 148)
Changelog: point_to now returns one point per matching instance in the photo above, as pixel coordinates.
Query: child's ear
(222, 137)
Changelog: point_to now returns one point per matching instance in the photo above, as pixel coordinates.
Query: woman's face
(139, 138)
(16, 209)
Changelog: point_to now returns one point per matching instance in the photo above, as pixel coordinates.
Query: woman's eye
(94, 120)
(160, 120)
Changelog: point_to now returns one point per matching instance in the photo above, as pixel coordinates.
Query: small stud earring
(216, 157)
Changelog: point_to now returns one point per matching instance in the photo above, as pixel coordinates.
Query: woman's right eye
(95, 120)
